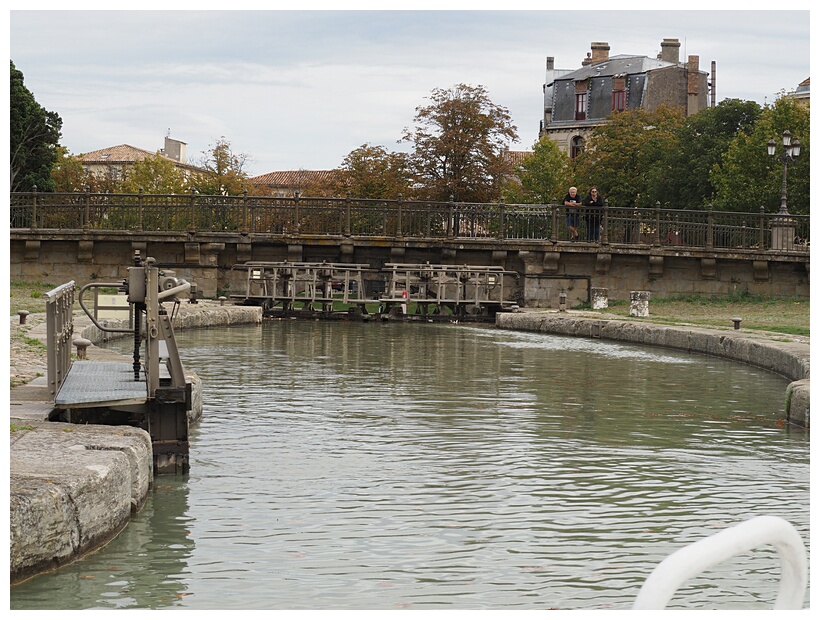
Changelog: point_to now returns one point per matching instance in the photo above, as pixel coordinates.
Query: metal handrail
(693, 559)
(59, 330)
(384, 218)
(93, 316)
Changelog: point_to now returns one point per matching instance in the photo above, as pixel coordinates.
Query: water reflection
(386, 466)
(142, 568)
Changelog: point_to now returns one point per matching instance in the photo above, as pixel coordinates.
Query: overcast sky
(301, 89)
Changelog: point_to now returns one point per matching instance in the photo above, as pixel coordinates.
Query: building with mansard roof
(578, 100)
(803, 90)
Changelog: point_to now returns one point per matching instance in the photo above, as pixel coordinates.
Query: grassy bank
(785, 316)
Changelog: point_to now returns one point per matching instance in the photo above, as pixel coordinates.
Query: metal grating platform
(99, 384)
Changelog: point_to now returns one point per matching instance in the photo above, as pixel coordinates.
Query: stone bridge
(86, 237)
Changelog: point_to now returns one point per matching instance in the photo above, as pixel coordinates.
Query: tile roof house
(285, 183)
(516, 158)
(578, 100)
(113, 160)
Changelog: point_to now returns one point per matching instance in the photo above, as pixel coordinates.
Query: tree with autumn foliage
(626, 158)
(542, 176)
(154, 175)
(458, 145)
(68, 173)
(374, 172)
(224, 171)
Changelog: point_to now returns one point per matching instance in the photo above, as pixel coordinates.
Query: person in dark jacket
(592, 214)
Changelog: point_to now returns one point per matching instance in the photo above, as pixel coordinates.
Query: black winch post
(136, 296)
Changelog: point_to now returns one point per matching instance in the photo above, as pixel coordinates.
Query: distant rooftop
(292, 178)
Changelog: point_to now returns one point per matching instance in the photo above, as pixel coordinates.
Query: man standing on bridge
(572, 201)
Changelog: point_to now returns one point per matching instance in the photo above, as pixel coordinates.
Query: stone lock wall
(545, 269)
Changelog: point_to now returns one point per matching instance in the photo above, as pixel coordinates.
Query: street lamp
(790, 153)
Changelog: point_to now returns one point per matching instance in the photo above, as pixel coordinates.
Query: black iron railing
(405, 219)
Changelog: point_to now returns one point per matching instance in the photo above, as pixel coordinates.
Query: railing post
(762, 230)
(296, 211)
(245, 223)
(657, 236)
(554, 215)
(86, 207)
(710, 228)
(399, 207)
(605, 223)
(450, 215)
(191, 225)
(347, 215)
(139, 210)
(34, 208)
(501, 219)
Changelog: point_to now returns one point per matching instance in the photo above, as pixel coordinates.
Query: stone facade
(577, 101)
(546, 269)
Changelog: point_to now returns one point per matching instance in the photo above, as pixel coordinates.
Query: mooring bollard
(737, 321)
(82, 345)
(639, 303)
(599, 298)
(222, 300)
(22, 314)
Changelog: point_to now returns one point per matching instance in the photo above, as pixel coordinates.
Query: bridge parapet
(399, 219)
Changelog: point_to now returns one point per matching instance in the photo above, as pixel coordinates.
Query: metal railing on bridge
(369, 218)
(59, 330)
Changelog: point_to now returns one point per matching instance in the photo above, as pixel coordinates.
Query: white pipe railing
(692, 560)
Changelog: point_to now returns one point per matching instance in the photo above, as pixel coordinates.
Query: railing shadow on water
(371, 218)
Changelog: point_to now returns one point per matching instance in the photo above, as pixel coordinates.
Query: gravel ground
(27, 355)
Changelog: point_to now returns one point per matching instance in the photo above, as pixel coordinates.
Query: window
(619, 100)
(576, 147)
(580, 106)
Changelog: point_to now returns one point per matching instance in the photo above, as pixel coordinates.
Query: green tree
(224, 170)
(458, 145)
(154, 175)
(542, 176)
(747, 178)
(34, 134)
(702, 141)
(626, 159)
(68, 173)
(373, 172)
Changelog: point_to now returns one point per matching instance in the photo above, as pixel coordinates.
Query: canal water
(426, 466)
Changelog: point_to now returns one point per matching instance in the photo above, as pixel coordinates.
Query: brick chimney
(670, 50)
(693, 66)
(600, 52)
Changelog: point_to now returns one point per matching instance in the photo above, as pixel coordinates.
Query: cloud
(301, 89)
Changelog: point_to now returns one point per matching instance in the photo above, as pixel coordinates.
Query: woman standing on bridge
(592, 215)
